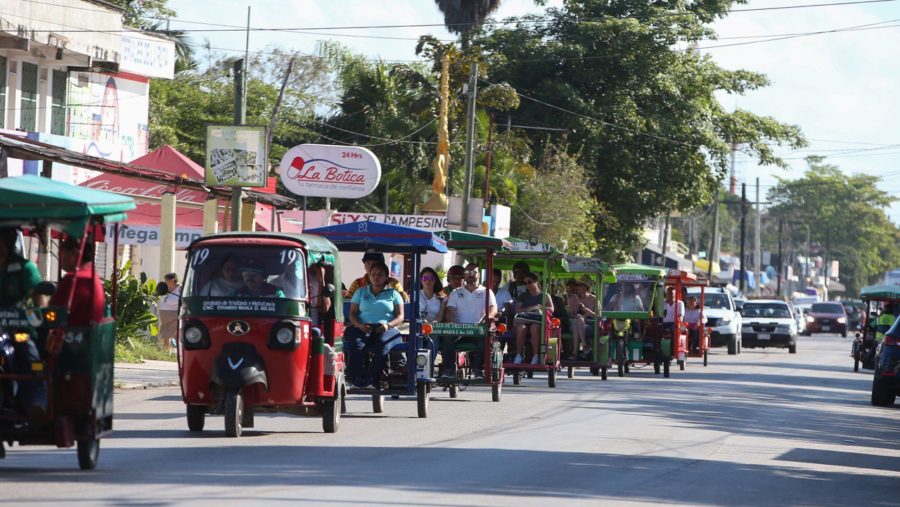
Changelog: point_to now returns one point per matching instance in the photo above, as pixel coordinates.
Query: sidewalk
(145, 375)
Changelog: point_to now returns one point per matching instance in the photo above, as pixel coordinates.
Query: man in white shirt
(168, 311)
(466, 305)
(672, 309)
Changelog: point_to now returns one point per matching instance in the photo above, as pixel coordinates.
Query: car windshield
(716, 301)
(628, 296)
(771, 310)
(246, 271)
(828, 308)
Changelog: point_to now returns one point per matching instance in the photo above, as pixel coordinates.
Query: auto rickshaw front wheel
(331, 411)
(497, 391)
(377, 403)
(422, 399)
(196, 417)
(88, 452)
(234, 412)
(882, 396)
(666, 367)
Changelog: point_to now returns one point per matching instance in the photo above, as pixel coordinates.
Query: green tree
(847, 218)
(144, 14)
(463, 16)
(641, 112)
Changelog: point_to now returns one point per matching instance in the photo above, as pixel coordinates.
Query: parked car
(886, 382)
(827, 318)
(722, 316)
(769, 323)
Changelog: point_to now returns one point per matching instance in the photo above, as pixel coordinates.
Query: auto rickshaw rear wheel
(454, 391)
(331, 411)
(88, 453)
(496, 391)
(422, 399)
(234, 412)
(571, 372)
(377, 403)
(551, 378)
(343, 398)
(247, 418)
(603, 373)
(196, 417)
(881, 393)
(666, 368)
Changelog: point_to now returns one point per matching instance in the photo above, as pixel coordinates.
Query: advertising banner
(322, 170)
(236, 156)
(148, 235)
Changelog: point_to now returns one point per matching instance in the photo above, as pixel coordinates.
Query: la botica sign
(324, 170)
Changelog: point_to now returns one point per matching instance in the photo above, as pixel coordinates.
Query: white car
(722, 316)
(769, 323)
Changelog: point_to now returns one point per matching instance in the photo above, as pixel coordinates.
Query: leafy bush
(134, 312)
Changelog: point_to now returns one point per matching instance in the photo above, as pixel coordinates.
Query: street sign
(322, 170)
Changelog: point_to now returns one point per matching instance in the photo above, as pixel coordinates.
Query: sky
(839, 87)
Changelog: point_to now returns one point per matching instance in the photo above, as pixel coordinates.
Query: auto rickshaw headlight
(193, 335)
(21, 337)
(284, 335)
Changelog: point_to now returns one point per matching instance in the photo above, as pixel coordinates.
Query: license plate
(825, 329)
(763, 336)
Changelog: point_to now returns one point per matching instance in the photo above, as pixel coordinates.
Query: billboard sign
(323, 170)
(236, 156)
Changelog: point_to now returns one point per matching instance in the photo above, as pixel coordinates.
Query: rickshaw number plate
(763, 337)
(826, 329)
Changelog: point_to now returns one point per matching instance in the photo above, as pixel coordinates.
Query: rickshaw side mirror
(162, 289)
(330, 289)
(45, 288)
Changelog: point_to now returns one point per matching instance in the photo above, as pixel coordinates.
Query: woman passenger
(375, 312)
(530, 308)
(431, 296)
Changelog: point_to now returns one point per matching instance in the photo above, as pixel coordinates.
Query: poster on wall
(323, 170)
(236, 156)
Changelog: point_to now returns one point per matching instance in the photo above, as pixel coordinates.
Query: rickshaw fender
(239, 365)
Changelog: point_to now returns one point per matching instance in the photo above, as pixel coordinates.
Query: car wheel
(732, 346)
(792, 349)
(881, 393)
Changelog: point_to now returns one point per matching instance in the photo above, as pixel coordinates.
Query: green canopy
(31, 199)
(539, 257)
(460, 240)
(577, 267)
(880, 292)
(640, 269)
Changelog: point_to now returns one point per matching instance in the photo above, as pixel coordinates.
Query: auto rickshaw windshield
(246, 271)
(628, 295)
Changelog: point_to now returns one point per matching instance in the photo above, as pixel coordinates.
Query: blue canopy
(362, 236)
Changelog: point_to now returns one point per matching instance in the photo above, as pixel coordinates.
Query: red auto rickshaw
(250, 340)
(681, 282)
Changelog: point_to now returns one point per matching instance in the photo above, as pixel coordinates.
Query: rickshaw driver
(671, 310)
(228, 281)
(466, 306)
(370, 259)
(18, 278)
(255, 284)
(626, 299)
(375, 311)
(885, 321)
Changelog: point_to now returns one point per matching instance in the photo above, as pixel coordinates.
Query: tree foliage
(847, 218)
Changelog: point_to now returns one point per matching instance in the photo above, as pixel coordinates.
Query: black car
(886, 383)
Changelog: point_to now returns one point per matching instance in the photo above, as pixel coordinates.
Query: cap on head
(373, 256)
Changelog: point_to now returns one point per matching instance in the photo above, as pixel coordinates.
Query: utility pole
(485, 192)
(714, 248)
(757, 251)
(240, 117)
(780, 262)
(732, 181)
(743, 232)
(470, 144)
(665, 241)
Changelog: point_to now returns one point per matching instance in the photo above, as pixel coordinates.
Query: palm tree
(461, 16)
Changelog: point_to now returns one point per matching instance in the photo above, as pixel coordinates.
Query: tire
(881, 395)
(517, 377)
(331, 412)
(454, 391)
(88, 453)
(681, 365)
(395, 396)
(196, 417)
(529, 374)
(234, 413)
(571, 373)
(656, 364)
(855, 364)
(343, 398)
(792, 349)
(595, 371)
(705, 357)
(740, 345)
(620, 357)
(422, 399)
(603, 373)
(551, 378)
(732, 346)
(2, 451)
(377, 403)
(496, 391)
(666, 368)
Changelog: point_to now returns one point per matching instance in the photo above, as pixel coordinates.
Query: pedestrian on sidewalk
(168, 311)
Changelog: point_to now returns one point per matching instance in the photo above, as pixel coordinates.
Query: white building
(72, 75)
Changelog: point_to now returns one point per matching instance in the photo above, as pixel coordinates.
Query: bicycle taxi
(251, 337)
(414, 377)
(687, 334)
(75, 366)
(597, 358)
(875, 298)
(477, 247)
(632, 308)
(542, 260)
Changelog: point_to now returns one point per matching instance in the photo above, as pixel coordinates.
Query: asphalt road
(761, 428)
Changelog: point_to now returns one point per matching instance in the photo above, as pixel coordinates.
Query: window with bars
(29, 103)
(3, 75)
(58, 103)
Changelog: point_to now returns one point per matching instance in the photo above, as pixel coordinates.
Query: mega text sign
(322, 170)
(148, 235)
